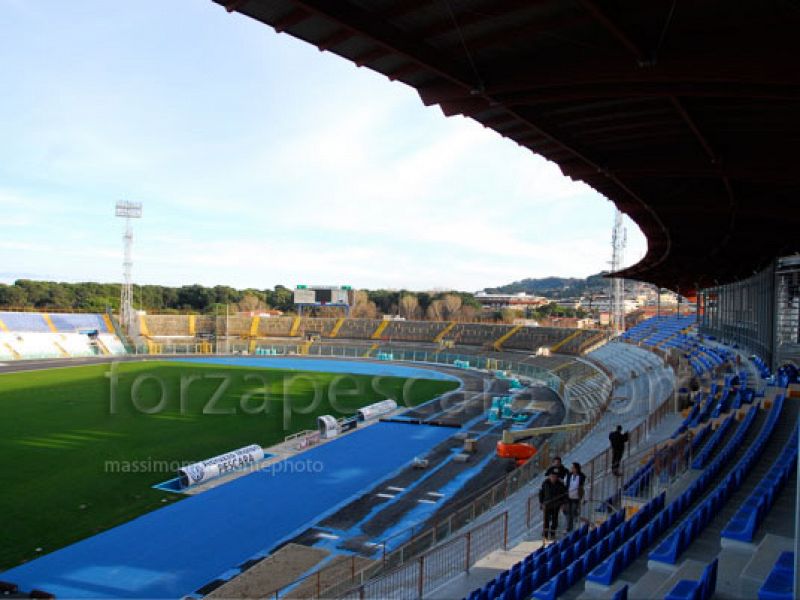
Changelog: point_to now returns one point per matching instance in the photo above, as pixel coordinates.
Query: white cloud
(264, 162)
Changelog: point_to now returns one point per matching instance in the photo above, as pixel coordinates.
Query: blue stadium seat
(753, 510)
(621, 593)
(574, 572)
(779, 582)
(606, 572)
(696, 590)
(553, 588)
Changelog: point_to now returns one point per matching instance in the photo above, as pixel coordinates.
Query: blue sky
(259, 160)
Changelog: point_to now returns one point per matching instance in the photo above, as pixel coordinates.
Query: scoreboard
(318, 295)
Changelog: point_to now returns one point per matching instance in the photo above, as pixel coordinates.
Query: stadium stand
(56, 335)
(274, 327)
(190, 329)
(414, 331)
(74, 322)
(744, 443)
(533, 339)
(321, 327)
(24, 322)
(360, 329)
(476, 334)
(168, 326)
(587, 387)
(636, 374)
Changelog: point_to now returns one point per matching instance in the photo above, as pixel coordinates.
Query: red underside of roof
(686, 115)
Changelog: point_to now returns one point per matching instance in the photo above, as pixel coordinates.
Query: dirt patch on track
(278, 570)
(335, 573)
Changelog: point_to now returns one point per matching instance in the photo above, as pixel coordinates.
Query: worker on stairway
(558, 468)
(618, 439)
(552, 495)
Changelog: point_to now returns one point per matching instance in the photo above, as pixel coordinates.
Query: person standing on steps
(575, 491)
(618, 440)
(558, 468)
(552, 495)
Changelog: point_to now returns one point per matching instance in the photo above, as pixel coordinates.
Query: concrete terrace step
(760, 563)
(658, 587)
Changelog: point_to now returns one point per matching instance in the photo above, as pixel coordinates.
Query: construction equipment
(509, 446)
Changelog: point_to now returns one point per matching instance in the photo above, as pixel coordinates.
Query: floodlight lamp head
(129, 210)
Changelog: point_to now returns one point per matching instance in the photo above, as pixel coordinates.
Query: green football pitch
(80, 447)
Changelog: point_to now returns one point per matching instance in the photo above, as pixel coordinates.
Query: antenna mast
(619, 239)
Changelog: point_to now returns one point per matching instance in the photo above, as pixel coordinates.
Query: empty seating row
(24, 322)
(640, 480)
(533, 338)
(476, 334)
(658, 330)
(563, 563)
(20, 322)
(703, 456)
(312, 325)
(414, 331)
(575, 342)
(73, 322)
(166, 326)
(674, 545)
(779, 582)
(699, 438)
(35, 345)
(745, 522)
(763, 369)
(704, 589)
(622, 539)
(648, 528)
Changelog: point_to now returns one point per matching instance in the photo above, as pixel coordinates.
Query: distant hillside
(555, 287)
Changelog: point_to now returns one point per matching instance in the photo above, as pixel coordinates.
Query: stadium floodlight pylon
(619, 239)
(128, 211)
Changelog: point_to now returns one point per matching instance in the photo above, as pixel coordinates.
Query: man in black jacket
(618, 441)
(552, 495)
(559, 469)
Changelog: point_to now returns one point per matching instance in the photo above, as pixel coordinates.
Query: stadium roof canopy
(685, 114)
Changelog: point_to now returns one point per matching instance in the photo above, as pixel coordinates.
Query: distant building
(567, 322)
(265, 313)
(501, 301)
(603, 304)
(574, 303)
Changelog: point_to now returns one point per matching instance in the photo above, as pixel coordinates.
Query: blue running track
(178, 549)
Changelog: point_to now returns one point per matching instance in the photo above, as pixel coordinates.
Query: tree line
(368, 304)
(100, 297)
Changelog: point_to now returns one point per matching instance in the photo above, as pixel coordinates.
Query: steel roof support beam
(604, 20)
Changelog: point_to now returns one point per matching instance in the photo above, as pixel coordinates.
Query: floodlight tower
(619, 239)
(128, 211)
